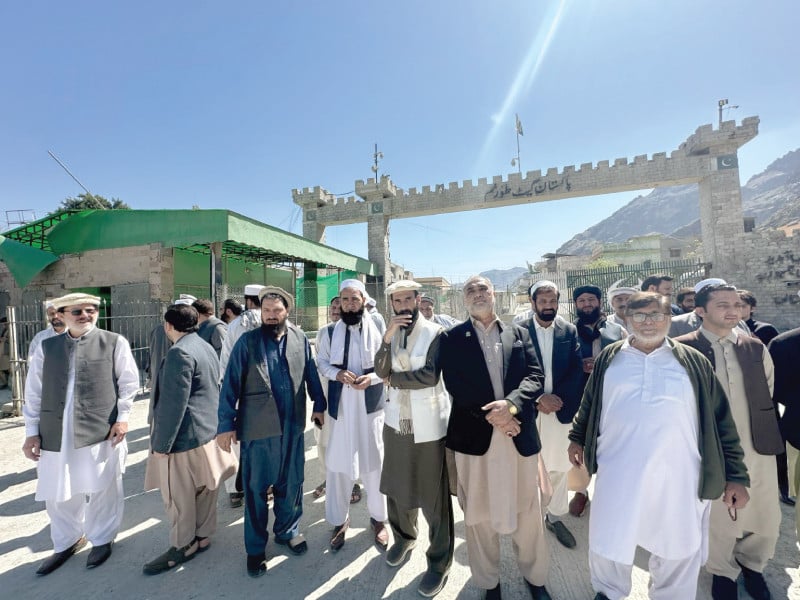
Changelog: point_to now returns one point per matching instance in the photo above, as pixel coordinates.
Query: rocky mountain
(772, 197)
(502, 278)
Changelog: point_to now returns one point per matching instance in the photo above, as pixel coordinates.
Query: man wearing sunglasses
(78, 396)
(745, 371)
(655, 427)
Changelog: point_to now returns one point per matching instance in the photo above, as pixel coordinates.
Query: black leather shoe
(723, 588)
(787, 499)
(55, 560)
(98, 555)
(256, 565)
(493, 594)
(563, 535)
(432, 583)
(600, 596)
(755, 584)
(538, 592)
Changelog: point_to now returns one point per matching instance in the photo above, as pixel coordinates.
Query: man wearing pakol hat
(427, 307)
(78, 396)
(263, 406)
(618, 299)
(745, 372)
(417, 409)
(559, 353)
(595, 332)
(55, 326)
(655, 427)
(493, 376)
(247, 321)
(355, 406)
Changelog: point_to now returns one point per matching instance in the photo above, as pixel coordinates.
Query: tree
(92, 202)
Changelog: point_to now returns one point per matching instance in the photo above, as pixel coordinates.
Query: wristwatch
(512, 409)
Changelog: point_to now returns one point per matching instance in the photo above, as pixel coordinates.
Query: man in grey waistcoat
(79, 393)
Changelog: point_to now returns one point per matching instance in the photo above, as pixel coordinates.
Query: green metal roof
(24, 261)
(242, 238)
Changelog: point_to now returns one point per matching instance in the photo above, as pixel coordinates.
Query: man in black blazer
(491, 371)
(185, 461)
(785, 352)
(559, 352)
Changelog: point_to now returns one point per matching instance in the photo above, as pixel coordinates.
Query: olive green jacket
(721, 455)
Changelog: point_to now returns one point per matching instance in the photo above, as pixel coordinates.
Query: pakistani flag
(519, 124)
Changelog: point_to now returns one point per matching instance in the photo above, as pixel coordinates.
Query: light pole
(376, 156)
(723, 105)
(515, 162)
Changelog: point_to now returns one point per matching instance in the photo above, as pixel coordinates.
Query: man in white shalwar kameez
(76, 420)
(745, 371)
(355, 407)
(656, 429)
(55, 327)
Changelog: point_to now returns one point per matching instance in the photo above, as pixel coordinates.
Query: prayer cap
(707, 282)
(354, 284)
(272, 289)
(252, 289)
(187, 299)
(540, 284)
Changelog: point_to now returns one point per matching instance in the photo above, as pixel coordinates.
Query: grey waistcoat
(95, 403)
(258, 412)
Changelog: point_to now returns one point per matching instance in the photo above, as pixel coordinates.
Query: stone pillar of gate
(310, 201)
(722, 223)
(378, 196)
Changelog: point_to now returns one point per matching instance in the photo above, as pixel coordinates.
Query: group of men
(678, 433)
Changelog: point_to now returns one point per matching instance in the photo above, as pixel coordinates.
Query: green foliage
(92, 202)
(601, 263)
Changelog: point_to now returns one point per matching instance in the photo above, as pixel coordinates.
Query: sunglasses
(77, 312)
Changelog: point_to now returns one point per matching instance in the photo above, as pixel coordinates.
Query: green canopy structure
(23, 261)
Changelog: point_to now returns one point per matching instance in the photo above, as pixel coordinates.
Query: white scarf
(370, 343)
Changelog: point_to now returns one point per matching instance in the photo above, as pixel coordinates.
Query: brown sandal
(171, 558)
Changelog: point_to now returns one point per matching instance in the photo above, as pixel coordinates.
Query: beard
(274, 330)
(352, 318)
(546, 315)
(589, 318)
(57, 323)
(414, 315)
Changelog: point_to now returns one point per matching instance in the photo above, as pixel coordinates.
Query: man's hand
(117, 433)
(346, 377)
(575, 452)
(225, 439)
(397, 323)
(361, 382)
(318, 418)
(32, 448)
(497, 413)
(549, 403)
(735, 495)
(588, 365)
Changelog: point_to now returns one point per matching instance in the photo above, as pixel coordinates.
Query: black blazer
(567, 365)
(467, 379)
(785, 352)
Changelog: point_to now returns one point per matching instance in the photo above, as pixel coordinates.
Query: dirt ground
(357, 571)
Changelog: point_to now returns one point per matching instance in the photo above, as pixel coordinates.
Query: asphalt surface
(357, 571)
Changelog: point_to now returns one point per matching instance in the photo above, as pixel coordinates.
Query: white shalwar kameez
(355, 446)
(67, 477)
(646, 487)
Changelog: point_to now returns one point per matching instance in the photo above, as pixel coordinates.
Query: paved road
(357, 571)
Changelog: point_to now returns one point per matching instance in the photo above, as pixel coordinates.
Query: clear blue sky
(232, 105)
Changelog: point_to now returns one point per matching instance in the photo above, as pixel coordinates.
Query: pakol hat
(404, 285)
(74, 300)
(587, 289)
(620, 290)
(272, 289)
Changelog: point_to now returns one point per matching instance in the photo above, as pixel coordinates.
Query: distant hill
(502, 278)
(772, 197)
